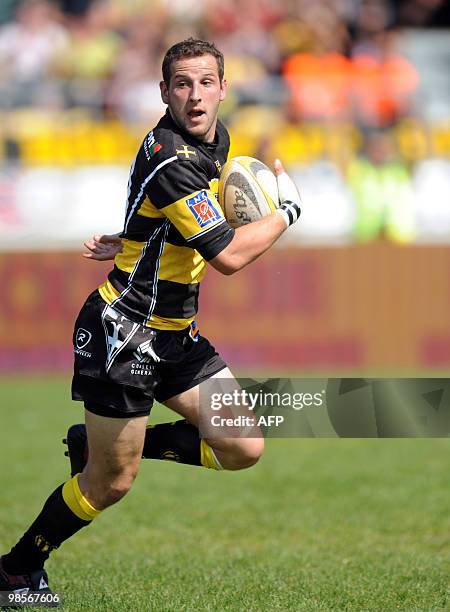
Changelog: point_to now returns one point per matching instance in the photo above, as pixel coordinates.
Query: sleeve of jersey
(181, 191)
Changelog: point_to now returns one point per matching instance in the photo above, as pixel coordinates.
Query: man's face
(194, 94)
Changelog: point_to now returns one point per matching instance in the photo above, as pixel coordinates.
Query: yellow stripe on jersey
(214, 186)
(184, 219)
(181, 265)
(148, 209)
(109, 294)
(156, 322)
(131, 251)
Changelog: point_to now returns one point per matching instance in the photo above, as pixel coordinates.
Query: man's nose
(195, 93)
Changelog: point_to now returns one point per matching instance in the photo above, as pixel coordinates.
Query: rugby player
(135, 338)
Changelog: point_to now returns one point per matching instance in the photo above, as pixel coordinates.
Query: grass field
(316, 525)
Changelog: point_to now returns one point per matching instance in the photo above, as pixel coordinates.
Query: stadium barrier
(358, 308)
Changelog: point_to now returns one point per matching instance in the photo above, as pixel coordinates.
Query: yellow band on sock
(76, 501)
(207, 456)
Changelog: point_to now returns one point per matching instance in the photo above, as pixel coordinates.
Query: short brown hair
(191, 47)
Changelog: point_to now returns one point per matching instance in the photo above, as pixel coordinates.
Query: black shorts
(122, 366)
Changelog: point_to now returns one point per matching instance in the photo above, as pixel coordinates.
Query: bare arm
(252, 240)
(249, 242)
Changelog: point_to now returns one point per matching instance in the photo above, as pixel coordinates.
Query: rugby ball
(247, 190)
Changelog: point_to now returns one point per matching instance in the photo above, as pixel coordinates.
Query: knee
(245, 453)
(110, 488)
(114, 490)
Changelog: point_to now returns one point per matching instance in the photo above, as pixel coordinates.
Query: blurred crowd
(323, 84)
(315, 58)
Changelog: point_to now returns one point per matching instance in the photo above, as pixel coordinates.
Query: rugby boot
(77, 448)
(33, 585)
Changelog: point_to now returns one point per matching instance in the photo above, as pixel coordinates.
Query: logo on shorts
(203, 209)
(145, 353)
(82, 338)
(122, 332)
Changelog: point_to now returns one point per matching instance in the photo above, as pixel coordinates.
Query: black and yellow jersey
(173, 225)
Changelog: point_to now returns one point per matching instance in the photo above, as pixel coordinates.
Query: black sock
(55, 524)
(178, 441)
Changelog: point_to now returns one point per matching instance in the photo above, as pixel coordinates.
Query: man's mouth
(193, 114)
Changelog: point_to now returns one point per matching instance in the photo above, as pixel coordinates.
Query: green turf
(316, 525)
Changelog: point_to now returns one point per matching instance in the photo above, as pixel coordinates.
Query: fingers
(287, 189)
(108, 239)
(99, 256)
(103, 243)
(100, 239)
(103, 247)
(96, 249)
(95, 246)
(90, 244)
(279, 169)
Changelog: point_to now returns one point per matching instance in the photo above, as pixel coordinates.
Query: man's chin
(197, 131)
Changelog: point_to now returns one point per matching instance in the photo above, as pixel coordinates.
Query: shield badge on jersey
(82, 338)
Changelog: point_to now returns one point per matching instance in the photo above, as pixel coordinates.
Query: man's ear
(164, 92)
(223, 90)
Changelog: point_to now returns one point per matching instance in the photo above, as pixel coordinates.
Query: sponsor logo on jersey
(82, 338)
(151, 146)
(186, 151)
(203, 209)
